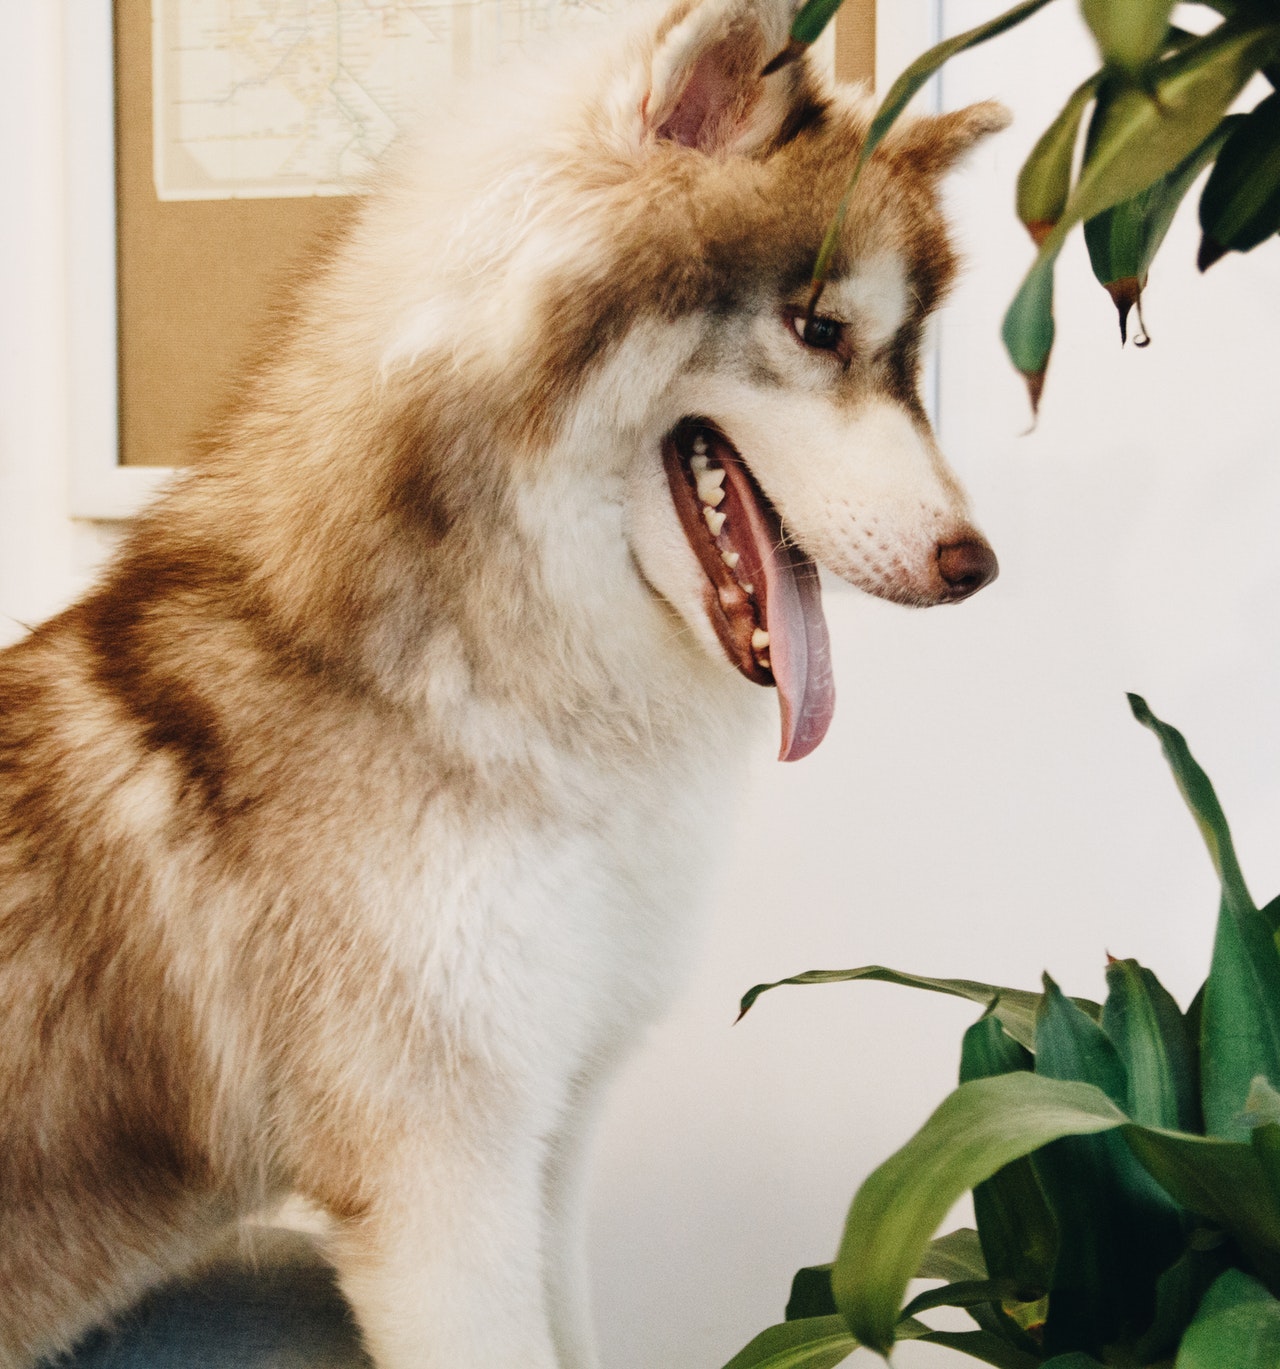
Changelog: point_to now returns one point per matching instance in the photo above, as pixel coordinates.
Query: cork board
(856, 42)
(195, 278)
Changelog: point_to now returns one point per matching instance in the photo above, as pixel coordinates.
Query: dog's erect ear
(932, 144)
(705, 88)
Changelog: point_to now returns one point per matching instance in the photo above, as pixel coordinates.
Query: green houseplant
(1124, 1160)
(1152, 117)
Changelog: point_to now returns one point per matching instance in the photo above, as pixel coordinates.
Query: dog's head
(622, 284)
(784, 440)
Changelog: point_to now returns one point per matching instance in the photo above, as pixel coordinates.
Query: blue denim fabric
(286, 1316)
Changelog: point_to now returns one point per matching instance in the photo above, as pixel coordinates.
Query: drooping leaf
(1136, 137)
(1014, 1008)
(899, 96)
(977, 1130)
(1237, 1327)
(1016, 1225)
(1123, 240)
(1129, 35)
(1240, 1020)
(1240, 204)
(1028, 328)
(1141, 136)
(816, 1343)
(1116, 1228)
(1044, 183)
(1150, 1037)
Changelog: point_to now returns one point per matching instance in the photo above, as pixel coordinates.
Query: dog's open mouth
(763, 597)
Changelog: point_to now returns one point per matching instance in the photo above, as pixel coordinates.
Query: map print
(299, 97)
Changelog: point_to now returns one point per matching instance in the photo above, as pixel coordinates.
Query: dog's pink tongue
(791, 600)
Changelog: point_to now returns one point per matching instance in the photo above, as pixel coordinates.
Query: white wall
(983, 807)
(45, 557)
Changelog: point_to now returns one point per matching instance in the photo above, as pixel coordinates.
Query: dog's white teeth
(715, 521)
(765, 662)
(731, 559)
(698, 464)
(709, 483)
(699, 445)
(748, 590)
(759, 640)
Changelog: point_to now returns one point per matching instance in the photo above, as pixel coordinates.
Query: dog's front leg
(443, 1269)
(567, 1173)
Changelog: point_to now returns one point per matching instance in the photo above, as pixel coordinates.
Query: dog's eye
(821, 332)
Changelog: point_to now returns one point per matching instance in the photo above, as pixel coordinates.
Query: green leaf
(811, 18)
(1071, 1045)
(1124, 239)
(1240, 1020)
(980, 1345)
(988, 1049)
(1264, 1140)
(1225, 1182)
(1117, 1229)
(1150, 1036)
(1271, 911)
(967, 1293)
(1240, 204)
(1131, 34)
(1262, 1106)
(817, 1343)
(977, 1130)
(1237, 1327)
(1137, 137)
(811, 1294)
(1198, 794)
(899, 97)
(955, 1256)
(1178, 1293)
(1015, 1008)
(1076, 1359)
(1018, 1232)
(1028, 328)
(1044, 183)
(1140, 136)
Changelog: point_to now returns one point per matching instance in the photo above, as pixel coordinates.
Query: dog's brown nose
(967, 566)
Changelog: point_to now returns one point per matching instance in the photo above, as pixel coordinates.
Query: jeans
(285, 1315)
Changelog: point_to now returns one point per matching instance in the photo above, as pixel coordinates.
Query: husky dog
(345, 828)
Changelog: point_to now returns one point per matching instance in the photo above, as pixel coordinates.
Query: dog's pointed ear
(934, 143)
(705, 87)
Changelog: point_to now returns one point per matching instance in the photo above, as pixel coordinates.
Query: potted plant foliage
(1124, 1160)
